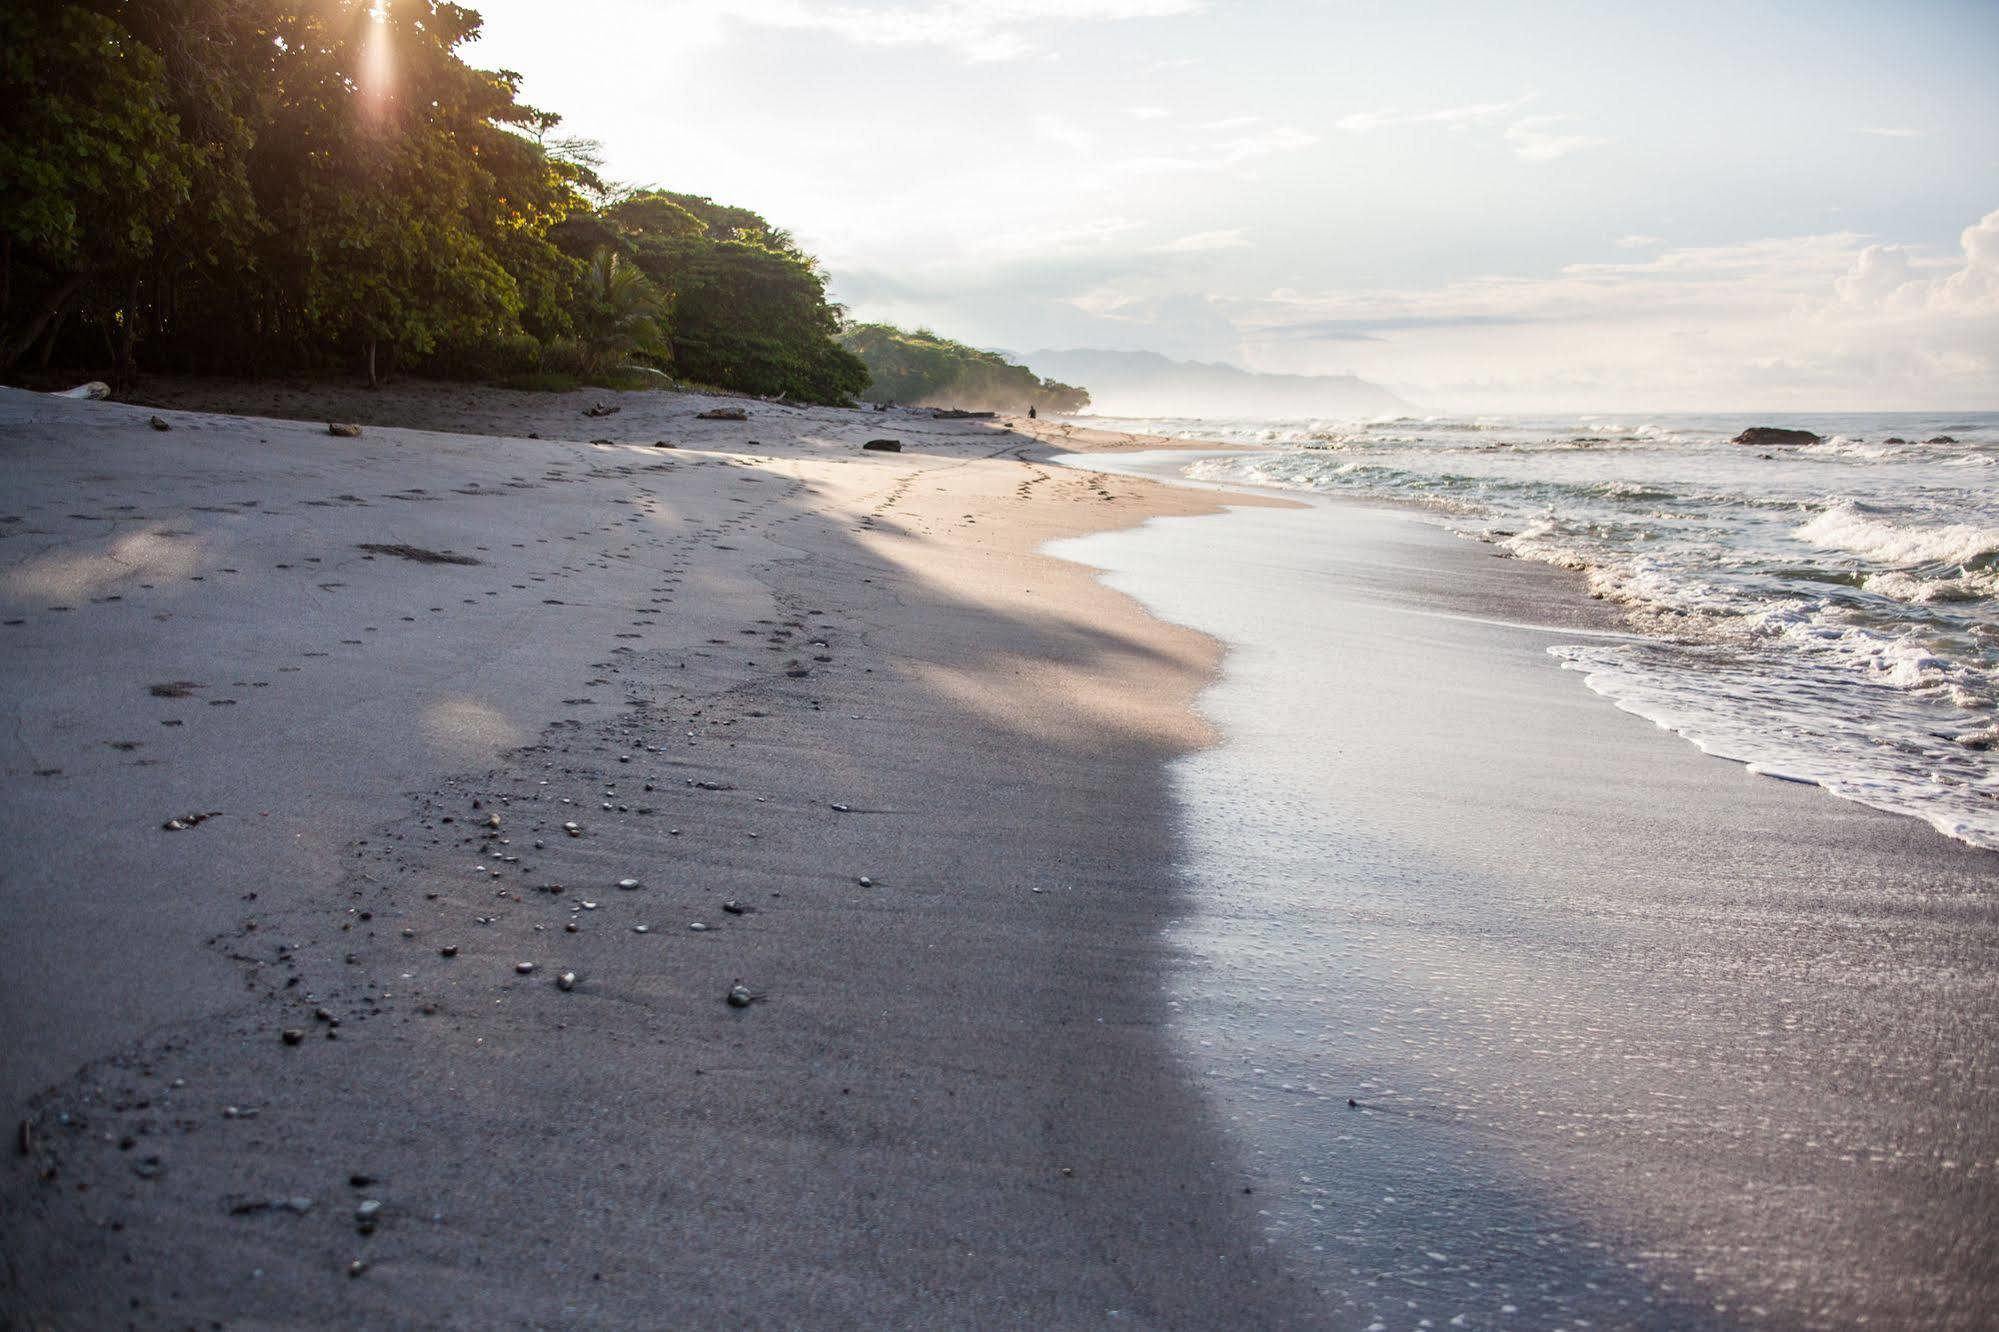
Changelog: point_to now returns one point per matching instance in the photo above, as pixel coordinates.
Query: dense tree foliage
(249, 185)
(922, 367)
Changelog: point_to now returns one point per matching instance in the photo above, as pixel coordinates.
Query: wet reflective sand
(1635, 1038)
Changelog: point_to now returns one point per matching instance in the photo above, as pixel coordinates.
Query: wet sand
(752, 675)
(1636, 1037)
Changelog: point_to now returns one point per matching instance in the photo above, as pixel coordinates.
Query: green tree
(91, 161)
(621, 315)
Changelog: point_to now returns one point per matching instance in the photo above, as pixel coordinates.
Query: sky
(1589, 206)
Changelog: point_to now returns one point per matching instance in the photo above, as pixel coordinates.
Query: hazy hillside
(1134, 383)
(922, 368)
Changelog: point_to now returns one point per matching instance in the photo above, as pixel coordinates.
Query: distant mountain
(1137, 383)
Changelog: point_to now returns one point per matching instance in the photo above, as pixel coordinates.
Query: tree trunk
(373, 382)
(16, 342)
(50, 339)
(128, 335)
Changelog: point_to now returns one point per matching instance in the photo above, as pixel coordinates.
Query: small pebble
(524, 968)
(566, 981)
(740, 996)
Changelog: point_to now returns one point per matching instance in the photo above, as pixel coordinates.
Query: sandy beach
(393, 817)
(864, 751)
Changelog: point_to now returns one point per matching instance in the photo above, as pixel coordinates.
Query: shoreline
(1417, 820)
(972, 1089)
(949, 1100)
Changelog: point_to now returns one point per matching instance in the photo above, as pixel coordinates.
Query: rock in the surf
(1764, 437)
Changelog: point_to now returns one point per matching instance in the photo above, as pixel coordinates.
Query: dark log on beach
(1764, 437)
(723, 414)
(884, 445)
(955, 414)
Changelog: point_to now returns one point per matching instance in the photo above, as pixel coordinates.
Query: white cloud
(1639, 242)
(1057, 130)
(1535, 139)
(1361, 122)
(1201, 241)
(975, 29)
(1818, 321)
(1147, 112)
(1225, 153)
(1893, 281)
(1055, 239)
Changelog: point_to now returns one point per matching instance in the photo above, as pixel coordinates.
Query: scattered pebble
(291, 1035)
(740, 996)
(566, 981)
(524, 968)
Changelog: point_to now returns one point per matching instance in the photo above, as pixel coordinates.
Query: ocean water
(1826, 614)
(1518, 1013)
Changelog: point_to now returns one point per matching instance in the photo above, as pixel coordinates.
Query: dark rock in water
(159, 423)
(345, 431)
(884, 445)
(1941, 439)
(723, 414)
(601, 410)
(663, 444)
(1764, 437)
(954, 414)
(1894, 439)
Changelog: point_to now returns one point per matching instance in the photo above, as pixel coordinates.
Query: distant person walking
(1031, 415)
